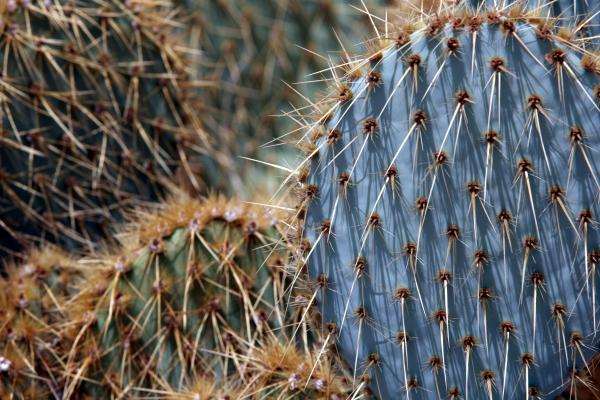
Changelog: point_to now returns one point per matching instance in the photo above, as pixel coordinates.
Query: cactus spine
(449, 196)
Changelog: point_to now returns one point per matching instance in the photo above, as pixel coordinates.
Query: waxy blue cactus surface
(454, 215)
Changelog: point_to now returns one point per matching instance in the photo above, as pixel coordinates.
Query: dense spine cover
(450, 207)
(34, 294)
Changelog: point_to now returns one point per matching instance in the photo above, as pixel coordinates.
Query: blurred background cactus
(34, 294)
(261, 56)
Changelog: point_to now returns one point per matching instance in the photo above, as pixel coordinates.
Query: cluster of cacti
(448, 205)
(99, 111)
(445, 244)
(189, 305)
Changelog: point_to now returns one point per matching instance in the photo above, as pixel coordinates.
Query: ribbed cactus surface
(189, 307)
(98, 110)
(451, 192)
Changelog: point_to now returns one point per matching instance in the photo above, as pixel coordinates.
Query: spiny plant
(99, 111)
(448, 206)
(194, 284)
(279, 370)
(33, 294)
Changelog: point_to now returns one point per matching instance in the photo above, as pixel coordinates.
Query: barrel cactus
(99, 111)
(448, 206)
(33, 296)
(194, 284)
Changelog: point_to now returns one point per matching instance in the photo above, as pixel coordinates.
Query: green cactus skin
(98, 113)
(450, 206)
(33, 294)
(195, 287)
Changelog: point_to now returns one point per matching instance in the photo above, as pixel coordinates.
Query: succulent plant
(194, 284)
(448, 207)
(99, 112)
(89, 328)
(33, 295)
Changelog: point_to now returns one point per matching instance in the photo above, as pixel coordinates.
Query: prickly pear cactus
(450, 196)
(195, 284)
(97, 111)
(33, 297)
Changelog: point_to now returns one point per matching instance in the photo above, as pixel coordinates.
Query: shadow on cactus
(98, 112)
(449, 200)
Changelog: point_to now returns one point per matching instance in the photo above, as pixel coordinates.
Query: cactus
(194, 284)
(33, 294)
(448, 205)
(98, 111)
(89, 328)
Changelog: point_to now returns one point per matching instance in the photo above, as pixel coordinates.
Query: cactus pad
(451, 204)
